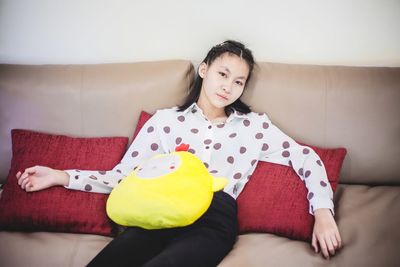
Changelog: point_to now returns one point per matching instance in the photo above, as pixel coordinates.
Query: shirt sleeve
(146, 144)
(279, 148)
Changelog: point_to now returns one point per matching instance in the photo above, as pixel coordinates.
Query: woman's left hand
(325, 233)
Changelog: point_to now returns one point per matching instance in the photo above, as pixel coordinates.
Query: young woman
(230, 140)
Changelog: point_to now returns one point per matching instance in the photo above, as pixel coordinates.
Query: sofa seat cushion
(376, 209)
(47, 249)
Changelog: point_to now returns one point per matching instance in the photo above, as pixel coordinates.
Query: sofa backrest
(329, 106)
(85, 100)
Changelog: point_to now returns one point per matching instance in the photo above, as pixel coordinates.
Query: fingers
(339, 239)
(314, 243)
(324, 248)
(330, 246)
(24, 183)
(23, 178)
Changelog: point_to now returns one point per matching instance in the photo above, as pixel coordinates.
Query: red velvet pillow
(275, 199)
(58, 209)
(143, 118)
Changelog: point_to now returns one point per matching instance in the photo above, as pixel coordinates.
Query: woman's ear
(202, 69)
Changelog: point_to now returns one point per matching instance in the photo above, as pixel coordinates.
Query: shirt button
(209, 126)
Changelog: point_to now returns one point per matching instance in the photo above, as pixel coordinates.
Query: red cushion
(275, 199)
(143, 118)
(58, 209)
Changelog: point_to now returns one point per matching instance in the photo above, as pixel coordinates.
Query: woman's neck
(212, 113)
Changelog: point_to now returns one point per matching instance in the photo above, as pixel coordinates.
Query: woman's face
(223, 81)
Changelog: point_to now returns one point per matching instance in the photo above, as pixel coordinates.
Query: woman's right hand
(39, 177)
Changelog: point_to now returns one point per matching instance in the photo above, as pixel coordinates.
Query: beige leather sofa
(329, 106)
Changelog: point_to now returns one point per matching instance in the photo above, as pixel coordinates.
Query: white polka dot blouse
(230, 149)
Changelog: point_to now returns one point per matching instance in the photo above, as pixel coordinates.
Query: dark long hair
(231, 47)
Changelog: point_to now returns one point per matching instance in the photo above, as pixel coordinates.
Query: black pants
(204, 243)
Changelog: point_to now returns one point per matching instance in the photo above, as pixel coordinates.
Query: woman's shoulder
(257, 116)
(167, 112)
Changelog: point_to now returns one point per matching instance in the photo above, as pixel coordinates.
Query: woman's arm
(308, 166)
(280, 148)
(39, 177)
(146, 144)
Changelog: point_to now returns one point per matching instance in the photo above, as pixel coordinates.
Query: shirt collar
(190, 108)
(235, 114)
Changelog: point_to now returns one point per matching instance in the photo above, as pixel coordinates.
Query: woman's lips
(222, 97)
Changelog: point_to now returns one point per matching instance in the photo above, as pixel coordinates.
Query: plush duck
(169, 190)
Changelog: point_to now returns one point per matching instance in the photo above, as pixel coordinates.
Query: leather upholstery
(354, 107)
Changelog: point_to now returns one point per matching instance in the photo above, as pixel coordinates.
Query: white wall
(340, 32)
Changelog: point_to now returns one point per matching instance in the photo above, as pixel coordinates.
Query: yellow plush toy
(169, 190)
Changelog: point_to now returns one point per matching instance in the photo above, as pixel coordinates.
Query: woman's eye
(239, 83)
(222, 74)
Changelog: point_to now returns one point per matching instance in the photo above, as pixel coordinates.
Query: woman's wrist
(63, 178)
(322, 212)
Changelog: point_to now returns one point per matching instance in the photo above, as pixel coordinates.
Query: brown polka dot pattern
(217, 146)
(167, 129)
(119, 171)
(301, 172)
(88, 187)
(181, 118)
(230, 159)
(154, 146)
(237, 175)
(232, 135)
(77, 170)
(259, 135)
(264, 147)
(310, 195)
(93, 177)
(221, 125)
(102, 172)
(105, 182)
(323, 184)
(290, 163)
(306, 151)
(307, 174)
(246, 123)
(207, 141)
(195, 131)
(191, 150)
(254, 161)
(214, 171)
(76, 177)
(135, 154)
(234, 191)
(243, 150)
(286, 154)
(150, 129)
(285, 145)
(319, 163)
(265, 125)
(206, 164)
(178, 140)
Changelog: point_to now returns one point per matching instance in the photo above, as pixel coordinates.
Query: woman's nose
(227, 88)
